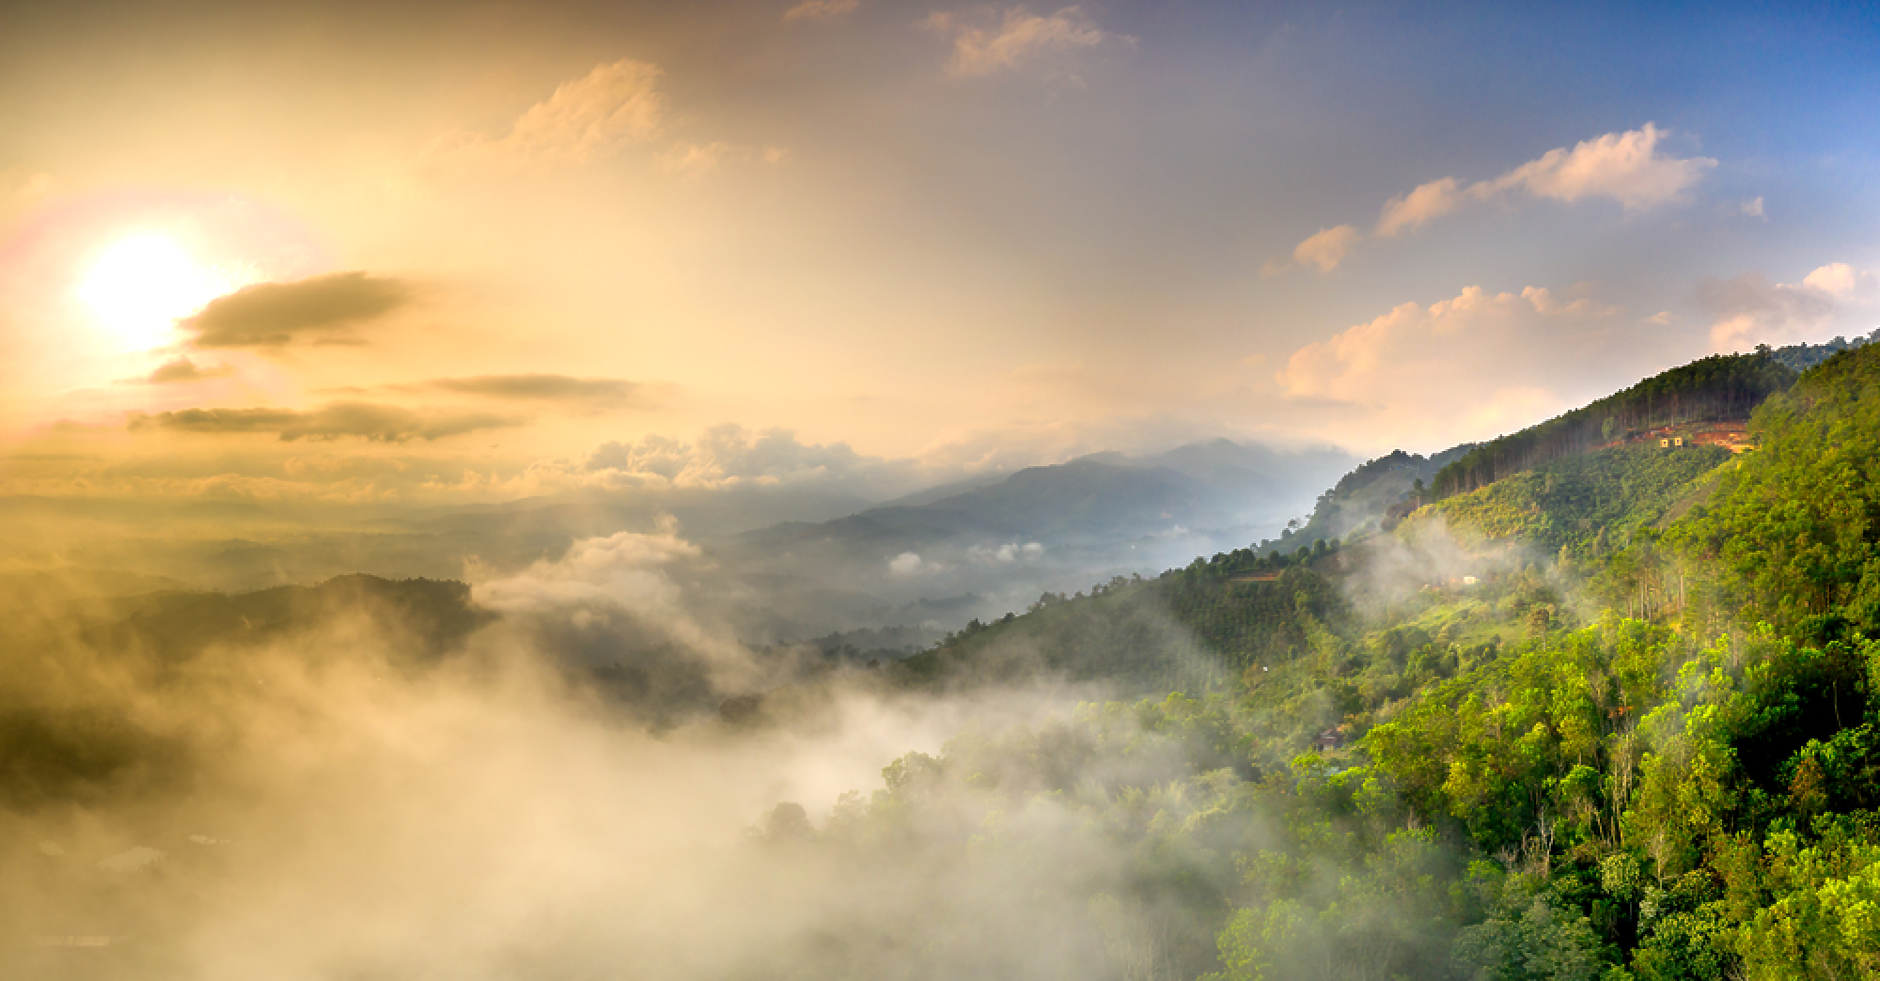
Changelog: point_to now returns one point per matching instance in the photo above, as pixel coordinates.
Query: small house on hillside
(1329, 740)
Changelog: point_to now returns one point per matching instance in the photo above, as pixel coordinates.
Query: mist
(339, 796)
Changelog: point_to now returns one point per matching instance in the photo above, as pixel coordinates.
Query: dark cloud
(544, 388)
(181, 369)
(366, 420)
(322, 309)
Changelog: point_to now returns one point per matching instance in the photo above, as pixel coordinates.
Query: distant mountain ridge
(1100, 497)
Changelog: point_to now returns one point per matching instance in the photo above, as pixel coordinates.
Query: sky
(412, 254)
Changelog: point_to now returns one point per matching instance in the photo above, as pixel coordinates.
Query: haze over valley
(879, 489)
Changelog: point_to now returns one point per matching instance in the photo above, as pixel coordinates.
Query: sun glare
(140, 286)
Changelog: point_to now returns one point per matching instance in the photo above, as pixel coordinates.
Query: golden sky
(417, 253)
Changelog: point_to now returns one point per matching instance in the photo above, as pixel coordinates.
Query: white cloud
(647, 590)
(1007, 553)
(1428, 201)
(905, 564)
(983, 47)
(626, 568)
(1840, 280)
(1753, 207)
(1625, 167)
(820, 9)
(1327, 248)
(1463, 368)
(1748, 310)
(730, 455)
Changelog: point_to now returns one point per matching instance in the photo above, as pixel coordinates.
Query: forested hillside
(1580, 504)
(1619, 724)
(1372, 495)
(1717, 388)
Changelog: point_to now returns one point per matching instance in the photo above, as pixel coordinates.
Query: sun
(141, 285)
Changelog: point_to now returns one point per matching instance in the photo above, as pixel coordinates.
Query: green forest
(1636, 740)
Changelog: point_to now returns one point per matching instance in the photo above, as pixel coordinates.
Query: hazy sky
(412, 252)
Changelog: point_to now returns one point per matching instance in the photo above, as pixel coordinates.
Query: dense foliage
(1581, 505)
(1643, 741)
(1189, 629)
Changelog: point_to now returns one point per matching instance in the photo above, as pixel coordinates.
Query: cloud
(1327, 248)
(587, 392)
(1432, 200)
(324, 309)
(1625, 167)
(694, 160)
(638, 592)
(615, 104)
(1458, 369)
(820, 9)
(1752, 207)
(905, 564)
(1007, 553)
(365, 420)
(982, 47)
(1747, 310)
(1841, 281)
(180, 369)
(731, 455)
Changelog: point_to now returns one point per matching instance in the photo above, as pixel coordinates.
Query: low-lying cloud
(729, 455)
(647, 604)
(346, 814)
(322, 309)
(364, 420)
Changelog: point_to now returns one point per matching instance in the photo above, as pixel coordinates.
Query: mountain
(1105, 497)
(1041, 529)
(1370, 497)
